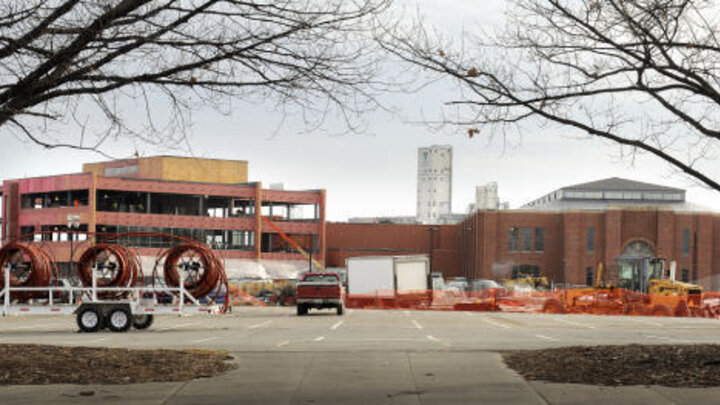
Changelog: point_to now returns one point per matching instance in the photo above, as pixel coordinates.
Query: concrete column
(258, 220)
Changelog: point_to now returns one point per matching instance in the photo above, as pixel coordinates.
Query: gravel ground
(42, 364)
(666, 365)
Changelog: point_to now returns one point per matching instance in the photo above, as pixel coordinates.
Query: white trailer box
(387, 275)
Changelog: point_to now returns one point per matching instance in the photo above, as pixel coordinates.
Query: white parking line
(98, 340)
(433, 338)
(491, 322)
(283, 343)
(260, 325)
(417, 325)
(337, 325)
(548, 338)
(584, 325)
(319, 339)
(205, 339)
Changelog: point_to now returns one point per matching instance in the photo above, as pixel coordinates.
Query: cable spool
(203, 273)
(29, 266)
(114, 266)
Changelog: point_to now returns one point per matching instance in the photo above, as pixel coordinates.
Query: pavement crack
(306, 372)
(176, 391)
(416, 389)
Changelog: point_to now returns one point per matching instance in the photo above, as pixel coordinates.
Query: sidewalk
(361, 378)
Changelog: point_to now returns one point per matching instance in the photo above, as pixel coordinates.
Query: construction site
(178, 253)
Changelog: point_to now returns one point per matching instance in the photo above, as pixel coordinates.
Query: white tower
(486, 197)
(434, 184)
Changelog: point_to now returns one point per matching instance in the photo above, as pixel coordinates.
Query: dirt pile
(667, 365)
(42, 364)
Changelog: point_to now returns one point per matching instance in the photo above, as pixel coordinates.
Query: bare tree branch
(640, 73)
(63, 57)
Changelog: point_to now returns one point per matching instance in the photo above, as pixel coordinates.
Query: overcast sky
(374, 173)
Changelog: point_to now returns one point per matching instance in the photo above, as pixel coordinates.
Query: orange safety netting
(596, 301)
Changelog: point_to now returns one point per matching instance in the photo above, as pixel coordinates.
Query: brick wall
(478, 247)
(350, 240)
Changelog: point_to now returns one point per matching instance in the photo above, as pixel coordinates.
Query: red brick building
(208, 200)
(562, 235)
(564, 246)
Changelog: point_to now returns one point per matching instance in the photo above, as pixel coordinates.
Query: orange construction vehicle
(600, 298)
(646, 287)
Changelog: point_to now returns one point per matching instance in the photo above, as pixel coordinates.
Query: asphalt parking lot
(365, 357)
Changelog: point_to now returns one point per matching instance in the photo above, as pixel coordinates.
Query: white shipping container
(411, 274)
(386, 274)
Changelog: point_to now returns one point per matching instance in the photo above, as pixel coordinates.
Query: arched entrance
(636, 266)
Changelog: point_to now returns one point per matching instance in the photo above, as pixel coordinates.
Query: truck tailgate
(318, 290)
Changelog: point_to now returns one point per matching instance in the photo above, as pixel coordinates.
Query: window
(525, 270)
(27, 233)
(215, 238)
(513, 239)
(590, 239)
(685, 276)
(243, 207)
(539, 239)
(61, 233)
(69, 198)
(321, 278)
(121, 201)
(526, 239)
(686, 242)
(175, 204)
(589, 276)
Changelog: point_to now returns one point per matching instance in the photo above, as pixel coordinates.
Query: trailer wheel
(339, 309)
(142, 321)
(301, 309)
(89, 320)
(119, 319)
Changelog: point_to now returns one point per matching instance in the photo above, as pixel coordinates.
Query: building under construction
(208, 200)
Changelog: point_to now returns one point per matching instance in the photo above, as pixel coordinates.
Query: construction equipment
(600, 298)
(645, 286)
(661, 294)
(526, 281)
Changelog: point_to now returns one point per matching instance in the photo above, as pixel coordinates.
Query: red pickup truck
(319, 290)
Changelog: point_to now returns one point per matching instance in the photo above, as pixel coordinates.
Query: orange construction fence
(597, 301)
